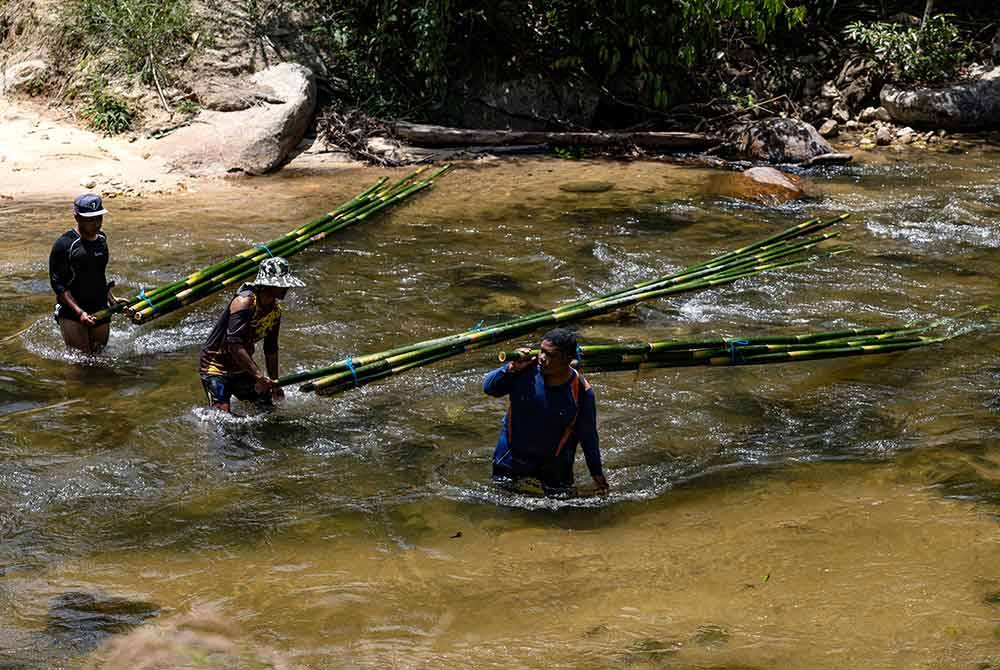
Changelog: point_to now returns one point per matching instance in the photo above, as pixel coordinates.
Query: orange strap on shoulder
(575, 390)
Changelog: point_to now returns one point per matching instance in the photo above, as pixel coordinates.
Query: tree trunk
(928, 8)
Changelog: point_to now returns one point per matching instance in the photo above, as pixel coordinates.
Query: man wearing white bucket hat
(226, 364)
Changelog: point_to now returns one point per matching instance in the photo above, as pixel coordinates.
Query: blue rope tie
(142, 296)
(265, 248)
(354, 373)
(734, 352)
(579, 354)
(477, 327)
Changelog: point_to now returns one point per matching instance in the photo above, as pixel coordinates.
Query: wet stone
(710, 635)
(83, 620)
(586, 186)
(476, 276)
(650, 652)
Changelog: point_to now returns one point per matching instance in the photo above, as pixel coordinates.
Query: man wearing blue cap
(77, 265)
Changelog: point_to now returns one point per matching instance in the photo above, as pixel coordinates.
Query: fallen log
(424, 135)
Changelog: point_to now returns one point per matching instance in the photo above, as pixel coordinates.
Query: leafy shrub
(399, 52)
(141, 37)
(930, 53)
(187, 108)
(107, 111)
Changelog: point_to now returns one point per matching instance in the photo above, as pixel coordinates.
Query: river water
(828, 514)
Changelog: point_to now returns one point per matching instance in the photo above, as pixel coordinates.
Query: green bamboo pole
(275, 247)
(234, 275)
(249, 265)
(777, 357)
(670, 349)
(140, 298)
(736, 263)
(471, 340)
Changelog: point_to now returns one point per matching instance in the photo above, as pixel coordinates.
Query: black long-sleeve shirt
(78, 266)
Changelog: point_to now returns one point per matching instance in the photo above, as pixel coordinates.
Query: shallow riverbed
(828, 514)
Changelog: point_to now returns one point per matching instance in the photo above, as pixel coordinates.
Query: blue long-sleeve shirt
(536, 422)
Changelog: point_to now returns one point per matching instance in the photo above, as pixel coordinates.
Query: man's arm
(587, 432)
(500, 382)
(238, 336)
(271, 357)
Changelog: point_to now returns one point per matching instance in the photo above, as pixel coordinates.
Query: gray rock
(18, 77)
(852, 124)
(830, 91)
(973, 104)
(867, 115)
(882, 114)
(232, 95)
(253, 140)
(840, 111)
(822, 107)
(883, 136)
(835, 158)
(779, 140)
(829, 129)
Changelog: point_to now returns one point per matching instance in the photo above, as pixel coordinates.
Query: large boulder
(973, 104)
(20, 77)
(779, 140)
(254, 140)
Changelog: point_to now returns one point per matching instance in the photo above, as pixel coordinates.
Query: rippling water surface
(831, 514)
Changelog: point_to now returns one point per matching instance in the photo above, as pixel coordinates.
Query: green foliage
(107, 111)
(571, 153)
(388, 51)
(929, 53)
(141, 37)
(187, 108)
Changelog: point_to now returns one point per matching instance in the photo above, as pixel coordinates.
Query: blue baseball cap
(88, 205)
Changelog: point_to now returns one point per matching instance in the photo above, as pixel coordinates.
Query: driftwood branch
(440, 136)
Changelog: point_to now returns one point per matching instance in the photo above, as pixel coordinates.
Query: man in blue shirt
(552, 409)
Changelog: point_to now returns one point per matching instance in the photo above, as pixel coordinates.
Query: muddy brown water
(831, 514)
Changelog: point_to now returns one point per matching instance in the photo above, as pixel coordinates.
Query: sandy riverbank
(44, 154)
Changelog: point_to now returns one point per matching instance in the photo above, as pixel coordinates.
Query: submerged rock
(778, 140)
(202, 639)
(83, 620)
(586, 186)
(973, 104)
(760, 184)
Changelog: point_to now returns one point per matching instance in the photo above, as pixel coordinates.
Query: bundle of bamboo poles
(786, 249)
(744, 351)
(148, 305)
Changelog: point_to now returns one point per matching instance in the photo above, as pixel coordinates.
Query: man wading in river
(226, 363)
(552, 409)
(77, 264)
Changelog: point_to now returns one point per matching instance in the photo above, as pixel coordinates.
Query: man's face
(89, 225)
(551, 360)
